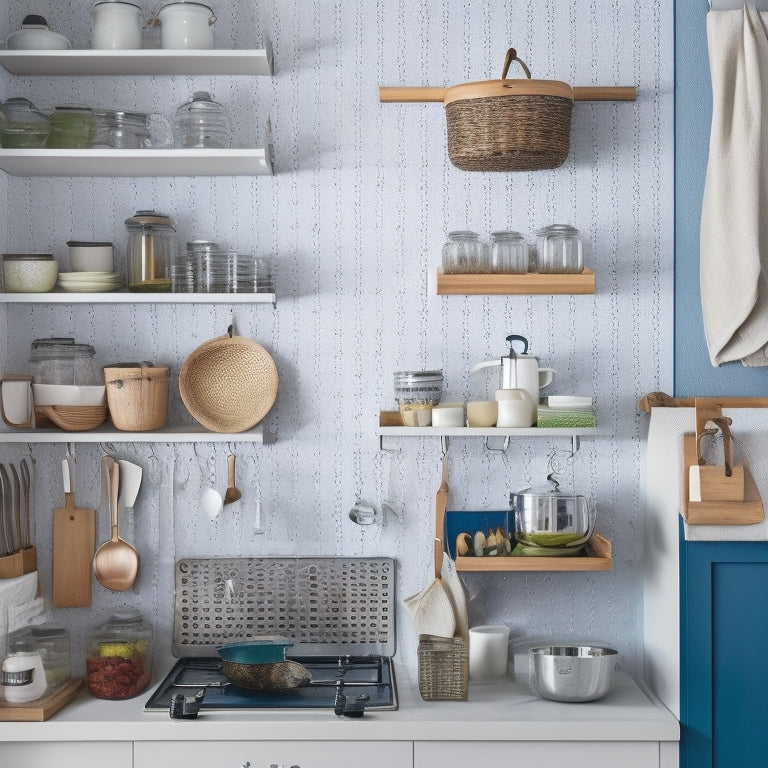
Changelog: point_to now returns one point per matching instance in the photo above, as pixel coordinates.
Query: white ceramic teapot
(519, 370)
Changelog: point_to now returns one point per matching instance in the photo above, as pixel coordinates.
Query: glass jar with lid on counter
(119, 656)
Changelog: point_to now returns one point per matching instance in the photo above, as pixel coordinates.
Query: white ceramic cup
(515, 408)
(17, 405)
(448, 415)
(488, 653)
(482, 413)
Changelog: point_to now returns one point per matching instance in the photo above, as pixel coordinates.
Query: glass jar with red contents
(119, 656)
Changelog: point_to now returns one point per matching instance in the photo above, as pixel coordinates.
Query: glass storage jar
(151, 251)
(559, 250)
(72, 127)
(465, 253)
(509, 253)
(62, 361)
(53, 644)
(202, 122)
(24, 126)
(416, 393)
(118, 659)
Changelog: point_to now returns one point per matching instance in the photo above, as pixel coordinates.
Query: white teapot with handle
(519, 370)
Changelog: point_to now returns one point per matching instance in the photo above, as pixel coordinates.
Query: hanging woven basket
(509, 124)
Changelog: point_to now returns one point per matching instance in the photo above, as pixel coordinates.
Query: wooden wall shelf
(516, 285)
(597, 558)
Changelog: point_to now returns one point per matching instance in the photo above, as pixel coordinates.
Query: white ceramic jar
(116, 26)
(186, 25)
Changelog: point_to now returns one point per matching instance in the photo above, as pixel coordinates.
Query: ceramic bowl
(29, 273)
(34, 35)
(65, 394)
(91, 257)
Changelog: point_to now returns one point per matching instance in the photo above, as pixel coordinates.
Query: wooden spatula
(74, 542)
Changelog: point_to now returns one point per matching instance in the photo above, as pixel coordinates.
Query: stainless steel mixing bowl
(552, 519)
(572, 673)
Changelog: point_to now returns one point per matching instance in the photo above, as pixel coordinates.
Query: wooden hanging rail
(662, 400)
(412, 94)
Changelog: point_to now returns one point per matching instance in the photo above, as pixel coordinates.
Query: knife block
(18, 563)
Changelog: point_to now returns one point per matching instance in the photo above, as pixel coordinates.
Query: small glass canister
(465, 253)
(62, 361)
(202, 122)
(416, 393)
(559, 250)
(53, 644)
(151, 251)
(24, 126)
(509, 253)
(72, 127)
(119, 656)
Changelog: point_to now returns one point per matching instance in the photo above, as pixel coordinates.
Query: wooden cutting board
(42, 709)
(74, 542)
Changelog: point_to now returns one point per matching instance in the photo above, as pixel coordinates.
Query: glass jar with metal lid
(559, 250)
(62, 361)
(151, 249)
(119, 653)
(465, 253)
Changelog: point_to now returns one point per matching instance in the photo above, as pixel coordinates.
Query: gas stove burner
(346, 684)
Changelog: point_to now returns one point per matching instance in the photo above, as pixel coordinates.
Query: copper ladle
(116, 562)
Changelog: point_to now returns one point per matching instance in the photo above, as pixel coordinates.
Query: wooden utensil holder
(18, 563)
(722, 495)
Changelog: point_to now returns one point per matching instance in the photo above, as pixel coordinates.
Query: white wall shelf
(138, 62)
(125, 297)
(136, 162)
(108, 434)
(490, 431)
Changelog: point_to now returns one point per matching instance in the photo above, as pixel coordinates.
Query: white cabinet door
(263, 754)
(542, 754)
(83, 754)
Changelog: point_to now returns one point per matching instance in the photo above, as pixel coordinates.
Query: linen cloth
(734, 227)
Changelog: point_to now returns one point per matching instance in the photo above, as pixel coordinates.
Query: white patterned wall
(355, 216)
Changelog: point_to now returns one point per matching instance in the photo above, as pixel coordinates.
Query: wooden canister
(137, 396)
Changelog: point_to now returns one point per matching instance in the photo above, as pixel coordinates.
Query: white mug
(17, 405)
(488, 653)
(116, 26)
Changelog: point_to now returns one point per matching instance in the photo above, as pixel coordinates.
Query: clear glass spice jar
(118, 659)
(465, 253)
(559, 250)
(416, 393)
(202, 122)
(509, 253)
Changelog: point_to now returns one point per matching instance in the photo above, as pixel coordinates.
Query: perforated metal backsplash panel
(327, 605)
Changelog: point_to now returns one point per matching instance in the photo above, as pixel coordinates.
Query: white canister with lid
(23, 677)
(185, 25)
(116, 26)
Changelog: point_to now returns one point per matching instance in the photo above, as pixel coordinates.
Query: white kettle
(519, 370)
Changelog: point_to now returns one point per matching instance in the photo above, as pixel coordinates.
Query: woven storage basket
(509, 125)
(443, 668)
(137, 395)
(229, 383)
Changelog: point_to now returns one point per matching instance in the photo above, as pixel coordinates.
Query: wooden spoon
(116, 562)
(232, 493)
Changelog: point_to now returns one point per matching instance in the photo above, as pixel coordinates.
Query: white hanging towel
(734, 220)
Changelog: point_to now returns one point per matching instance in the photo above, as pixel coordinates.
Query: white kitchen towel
(664, 473)
(734, 228)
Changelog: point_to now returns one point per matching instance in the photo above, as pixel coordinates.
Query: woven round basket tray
(229, 383)
(508, 124)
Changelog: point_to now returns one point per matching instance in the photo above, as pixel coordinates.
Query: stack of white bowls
(92, 268)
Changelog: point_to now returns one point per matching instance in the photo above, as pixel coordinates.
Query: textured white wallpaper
(355, 217)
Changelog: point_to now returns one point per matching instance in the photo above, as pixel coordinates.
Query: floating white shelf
(124, 297)
(136, 162)
(139, 62)
(108, 434)
(490, 431)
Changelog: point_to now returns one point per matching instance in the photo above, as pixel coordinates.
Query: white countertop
(504, 711)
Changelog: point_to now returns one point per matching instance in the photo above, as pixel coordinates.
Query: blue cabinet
(724, 654)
